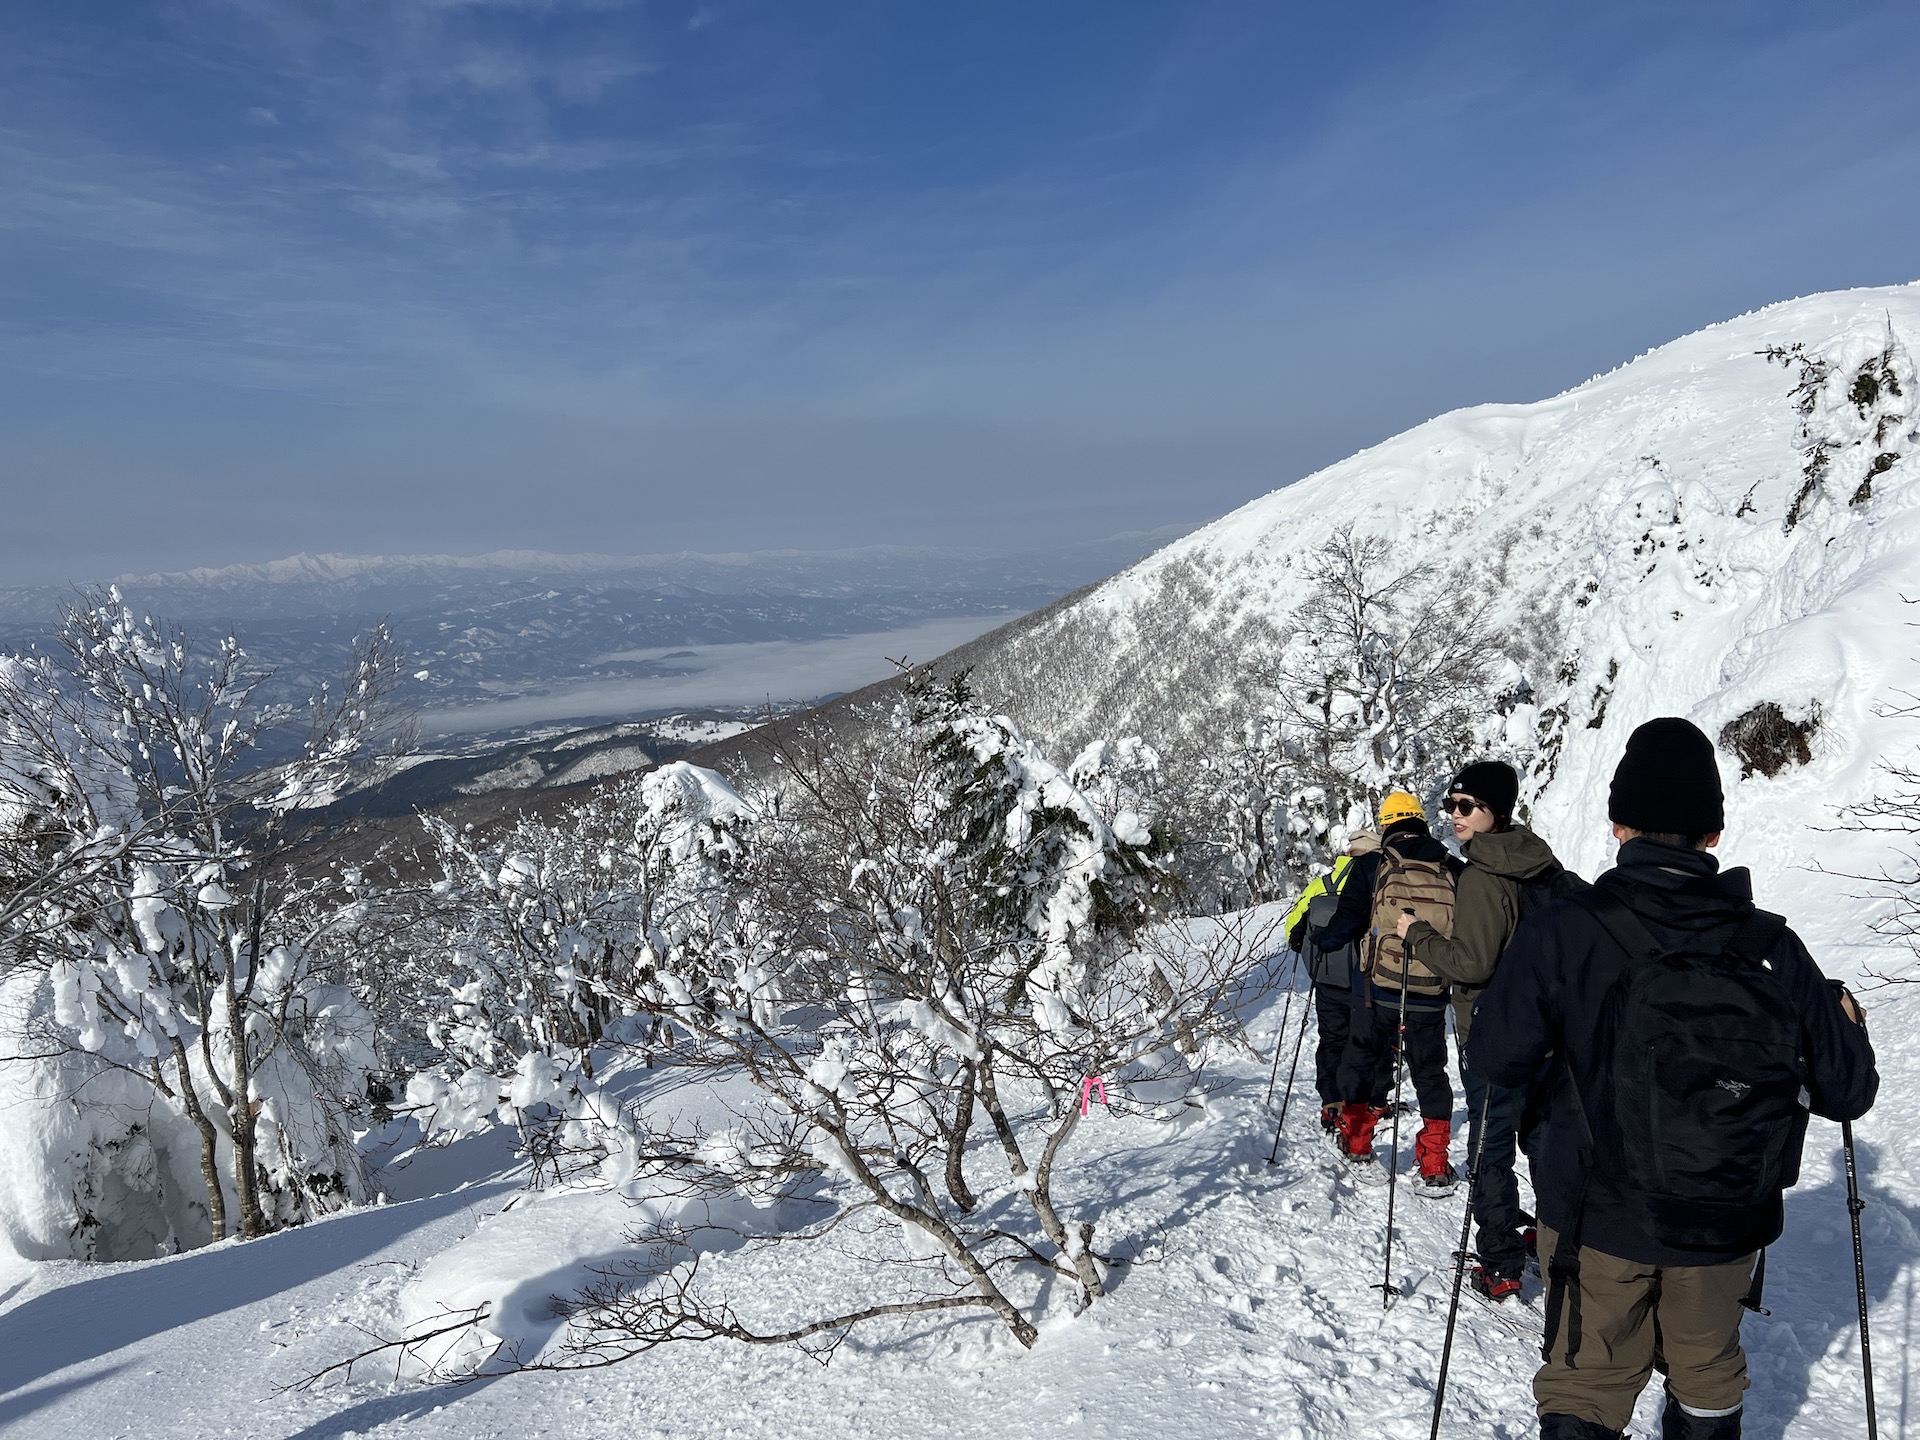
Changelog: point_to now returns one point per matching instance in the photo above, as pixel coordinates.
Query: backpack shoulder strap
(1629, 932)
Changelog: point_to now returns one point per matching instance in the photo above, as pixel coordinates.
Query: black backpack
(1559, 883)
(1708, 1115)
(1708, 1078)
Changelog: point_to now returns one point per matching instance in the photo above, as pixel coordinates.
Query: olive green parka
(1486, 908)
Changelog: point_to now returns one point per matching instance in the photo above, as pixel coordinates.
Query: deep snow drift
(1642, 523)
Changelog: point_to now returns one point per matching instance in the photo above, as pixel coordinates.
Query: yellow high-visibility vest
(1319, 885)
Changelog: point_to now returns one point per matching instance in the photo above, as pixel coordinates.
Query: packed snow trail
(1247, 1314)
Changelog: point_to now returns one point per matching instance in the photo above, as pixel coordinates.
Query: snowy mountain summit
(1724, 528)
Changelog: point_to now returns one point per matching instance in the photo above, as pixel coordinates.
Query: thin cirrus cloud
(375, 276)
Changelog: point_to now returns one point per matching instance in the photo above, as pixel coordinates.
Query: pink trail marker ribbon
(1089, 1087)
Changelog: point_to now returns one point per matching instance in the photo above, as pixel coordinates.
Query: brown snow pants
(1683, 1319)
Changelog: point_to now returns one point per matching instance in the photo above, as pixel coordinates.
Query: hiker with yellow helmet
(1411, 871)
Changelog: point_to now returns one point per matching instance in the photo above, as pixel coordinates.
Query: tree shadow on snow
(386, 1409)
(23, 1403)
(1810, 1291)
(127, 1304)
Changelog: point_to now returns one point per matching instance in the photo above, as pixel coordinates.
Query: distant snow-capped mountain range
(513, 638)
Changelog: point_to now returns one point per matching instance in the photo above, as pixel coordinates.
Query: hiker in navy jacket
(1549, 1019)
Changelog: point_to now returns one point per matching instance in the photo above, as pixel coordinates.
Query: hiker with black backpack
(1333, 972)
(1678, 1037)
(1510, 871)
(1402, 1009)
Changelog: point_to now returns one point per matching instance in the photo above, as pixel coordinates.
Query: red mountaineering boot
(1491, 1286)
(1356, 1144)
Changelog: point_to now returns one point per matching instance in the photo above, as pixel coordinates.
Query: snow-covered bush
(154, 958)
(1859, 403)
(934, 924)
(538, 933)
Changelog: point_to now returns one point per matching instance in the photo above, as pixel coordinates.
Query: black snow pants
(1333, 1008)
(1366, 1071)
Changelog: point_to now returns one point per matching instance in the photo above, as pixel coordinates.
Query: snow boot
(1436, 1176)
(1491, 1287)
(1679, 1423)
(1572, 1427)
(1330, 1120)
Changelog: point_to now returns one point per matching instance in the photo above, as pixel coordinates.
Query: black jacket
(1558, 992)
(1353, 921)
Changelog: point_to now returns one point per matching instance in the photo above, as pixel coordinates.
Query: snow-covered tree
(150, 932)
(935, 924)
(538, 933)
(1387, 677)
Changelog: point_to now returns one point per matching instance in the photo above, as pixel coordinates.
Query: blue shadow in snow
(23, 1403)
(386, 1409)
(128, 1304)
(1810, 1291)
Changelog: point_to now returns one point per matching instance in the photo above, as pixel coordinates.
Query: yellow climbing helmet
(1399, 805)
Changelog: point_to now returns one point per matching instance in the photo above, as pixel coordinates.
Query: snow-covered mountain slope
(1729, 520)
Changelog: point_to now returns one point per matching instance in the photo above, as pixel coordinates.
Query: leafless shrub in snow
(940, 932)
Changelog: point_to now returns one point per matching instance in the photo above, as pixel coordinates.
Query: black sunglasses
(1461, 805)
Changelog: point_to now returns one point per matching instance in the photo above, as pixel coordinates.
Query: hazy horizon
(413, 277)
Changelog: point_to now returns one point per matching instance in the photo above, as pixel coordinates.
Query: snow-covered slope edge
(1637, 527)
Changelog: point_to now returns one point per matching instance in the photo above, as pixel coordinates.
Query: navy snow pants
(1496, 1195)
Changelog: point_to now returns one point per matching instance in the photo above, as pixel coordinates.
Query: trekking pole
(1460, 1264)
(1387, 1292)
(1854, 1206)
(1292, 1070)
(1280, 1036)
(1287, 1099)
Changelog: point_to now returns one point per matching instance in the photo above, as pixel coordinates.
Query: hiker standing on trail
(1411, 871)
(1677, 1028)
(1332, 971)
(1509, 869)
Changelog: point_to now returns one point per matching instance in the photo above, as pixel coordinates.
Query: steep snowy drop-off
(1635, 529)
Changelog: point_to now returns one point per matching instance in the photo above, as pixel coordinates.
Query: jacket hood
(1516, 854)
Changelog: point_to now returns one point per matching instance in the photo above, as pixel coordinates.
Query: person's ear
(1711, 842)
(1622, 834)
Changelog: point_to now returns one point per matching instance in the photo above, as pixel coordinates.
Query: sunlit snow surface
(1664, 486)
(1248, 1315)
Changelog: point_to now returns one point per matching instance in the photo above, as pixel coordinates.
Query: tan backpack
(1424, 887)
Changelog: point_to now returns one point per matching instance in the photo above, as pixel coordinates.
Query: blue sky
(729, 274)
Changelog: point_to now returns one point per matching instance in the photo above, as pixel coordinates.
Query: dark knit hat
(1494, 783)
(1668, 781)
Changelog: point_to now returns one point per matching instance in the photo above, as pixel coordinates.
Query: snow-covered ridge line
(1730, 521)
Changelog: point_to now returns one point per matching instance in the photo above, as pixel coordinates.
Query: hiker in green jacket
(1503, 859)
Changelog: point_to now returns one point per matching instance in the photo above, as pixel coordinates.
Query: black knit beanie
(1668, 781)
(1494, 783)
